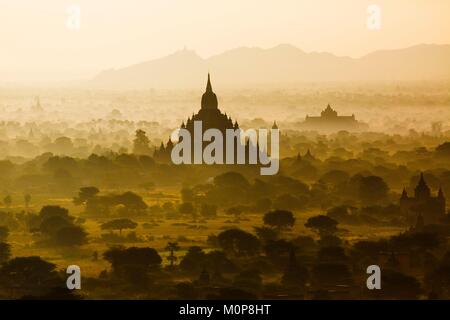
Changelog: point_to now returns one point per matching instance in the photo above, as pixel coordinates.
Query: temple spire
(209, 98)
(422, 179)
(422, 190)
(208, 85)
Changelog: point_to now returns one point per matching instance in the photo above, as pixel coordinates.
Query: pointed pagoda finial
(209, 98)
(404, 194)
(208, 85)
(422, 190)
(422, 179)
(274, 126)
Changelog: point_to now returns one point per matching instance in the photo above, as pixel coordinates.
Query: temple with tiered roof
(329, 120)
(423, 208)
(211, 118)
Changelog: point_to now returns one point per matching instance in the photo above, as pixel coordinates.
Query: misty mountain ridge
(283, 64)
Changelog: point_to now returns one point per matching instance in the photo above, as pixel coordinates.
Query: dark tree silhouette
(280, 219)
(193, 260)
(70, 236)
(119, 224)
(51, 211)
(134, 204)
(322, 224)
(141, 143)
(216, 261)
(29, 276)
(119, 257)
(278, 252)
(52, 225)
(238, 242)
(59, 227)
(85, 194)
(172, 247)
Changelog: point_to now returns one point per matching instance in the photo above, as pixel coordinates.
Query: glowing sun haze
(37, 45)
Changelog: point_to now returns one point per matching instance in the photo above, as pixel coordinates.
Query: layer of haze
(37, 45)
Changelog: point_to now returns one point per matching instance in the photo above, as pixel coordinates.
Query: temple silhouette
(329, 120)
(423, 208)
(211, 118)
(210, 114)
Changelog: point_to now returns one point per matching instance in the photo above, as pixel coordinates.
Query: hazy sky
(37, 45)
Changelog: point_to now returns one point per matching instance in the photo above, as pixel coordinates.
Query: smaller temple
(423, 208)
(162, 154)
(330, 121)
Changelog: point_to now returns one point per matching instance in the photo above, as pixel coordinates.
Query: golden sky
(37, 45)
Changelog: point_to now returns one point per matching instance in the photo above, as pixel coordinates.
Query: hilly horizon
(281, 65)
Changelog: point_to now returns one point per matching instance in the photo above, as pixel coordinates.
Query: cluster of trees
(58, 227)
(32, 277)
(336, 163)
(97, 205)
(233, 191)
(272, 262)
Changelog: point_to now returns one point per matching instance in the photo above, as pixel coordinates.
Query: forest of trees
(115, 216)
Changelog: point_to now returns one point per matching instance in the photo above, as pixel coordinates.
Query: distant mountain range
(283, 64)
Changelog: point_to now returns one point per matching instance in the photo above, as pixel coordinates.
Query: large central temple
(209, 114)
(211, 118)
